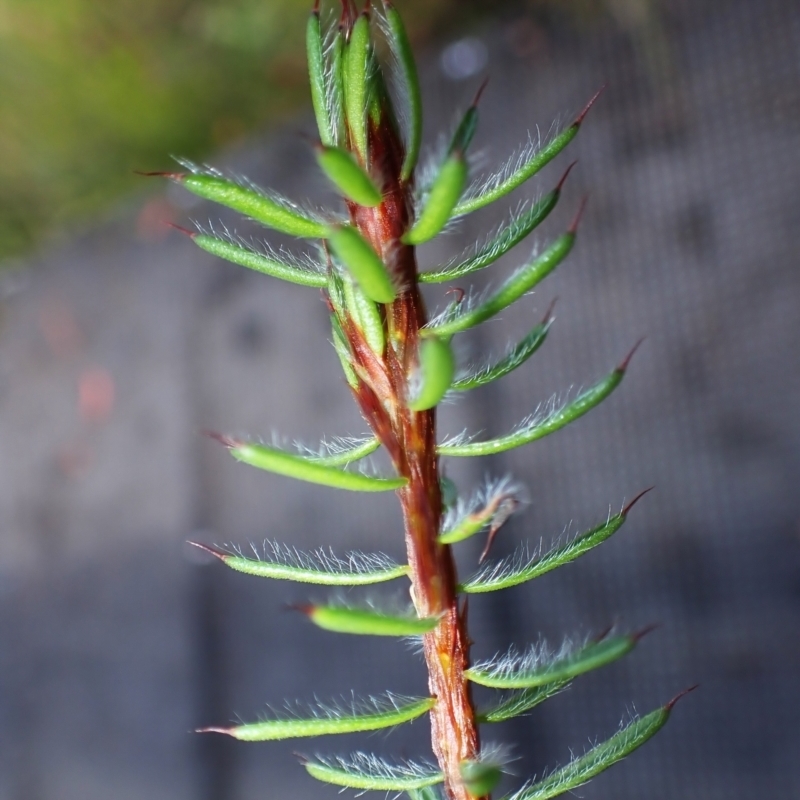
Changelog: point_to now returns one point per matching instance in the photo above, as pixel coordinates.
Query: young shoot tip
(573, 228)
(635, 500)
(669, 706)
(579, 119)
(623, 365)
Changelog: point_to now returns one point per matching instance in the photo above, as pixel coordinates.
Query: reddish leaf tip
(478, 94)
(623, 366)
(303, 608)
(227, 441)
(227, 731)
(563, 179)
(602, 635)
(459, 293)
(635, 500)
(669, 706)
(176, 176)
(573, 228)
(638, 635)
(209, 549)
(548, 315)
(181, 229)
(579, 119)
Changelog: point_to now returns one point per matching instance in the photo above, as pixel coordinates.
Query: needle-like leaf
(537, 428)
(521, 282)
(520, 168)
(512, 233)
(599, 758)
(538, 667)
(519, 569)
(306, 469)
(371, 715)
(367, 772)
(322, 567)
(367, 621)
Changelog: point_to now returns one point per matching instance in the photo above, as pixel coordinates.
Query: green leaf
(519, 168)
(437, 365)
(519, 702)
(348, 176)
(441, 200)
(322, 567)
(356, 63)
(270, 210)
(516, 570)
(511, 234)
(536, 427)
(316, 74)
(267, 262)
(515, 357)
(401, 48)
(368, 621)
(521, 282)
(362, 262)
(331, 719)
(368, 772)
(306, 469)
(366, 315)
(538, 667)
(599, 758)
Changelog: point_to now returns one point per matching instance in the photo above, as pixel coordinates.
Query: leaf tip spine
(207, 548)
(632, 503)
(478, 94)
(212, 729)
(562, 180)
(181, 229)
(579, 119)
(622, 368)
(576, 220)
(672, 703)
(174, 176)
(548, 317)
(639, 635)
(225, 441)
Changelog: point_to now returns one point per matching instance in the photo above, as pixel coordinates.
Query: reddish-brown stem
(410, 439)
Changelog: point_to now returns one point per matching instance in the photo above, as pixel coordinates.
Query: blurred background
(120, 343)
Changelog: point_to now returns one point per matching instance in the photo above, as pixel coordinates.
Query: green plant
(399, 365)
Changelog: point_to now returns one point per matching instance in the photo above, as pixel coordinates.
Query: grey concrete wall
(118, 348)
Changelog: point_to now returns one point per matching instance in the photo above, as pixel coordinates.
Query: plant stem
(410, 439)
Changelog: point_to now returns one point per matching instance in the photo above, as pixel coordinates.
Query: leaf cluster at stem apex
(400, 365)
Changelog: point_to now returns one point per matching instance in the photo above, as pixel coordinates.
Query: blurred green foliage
(91, 90)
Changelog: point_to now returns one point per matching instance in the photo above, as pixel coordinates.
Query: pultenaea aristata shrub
(399, 365)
